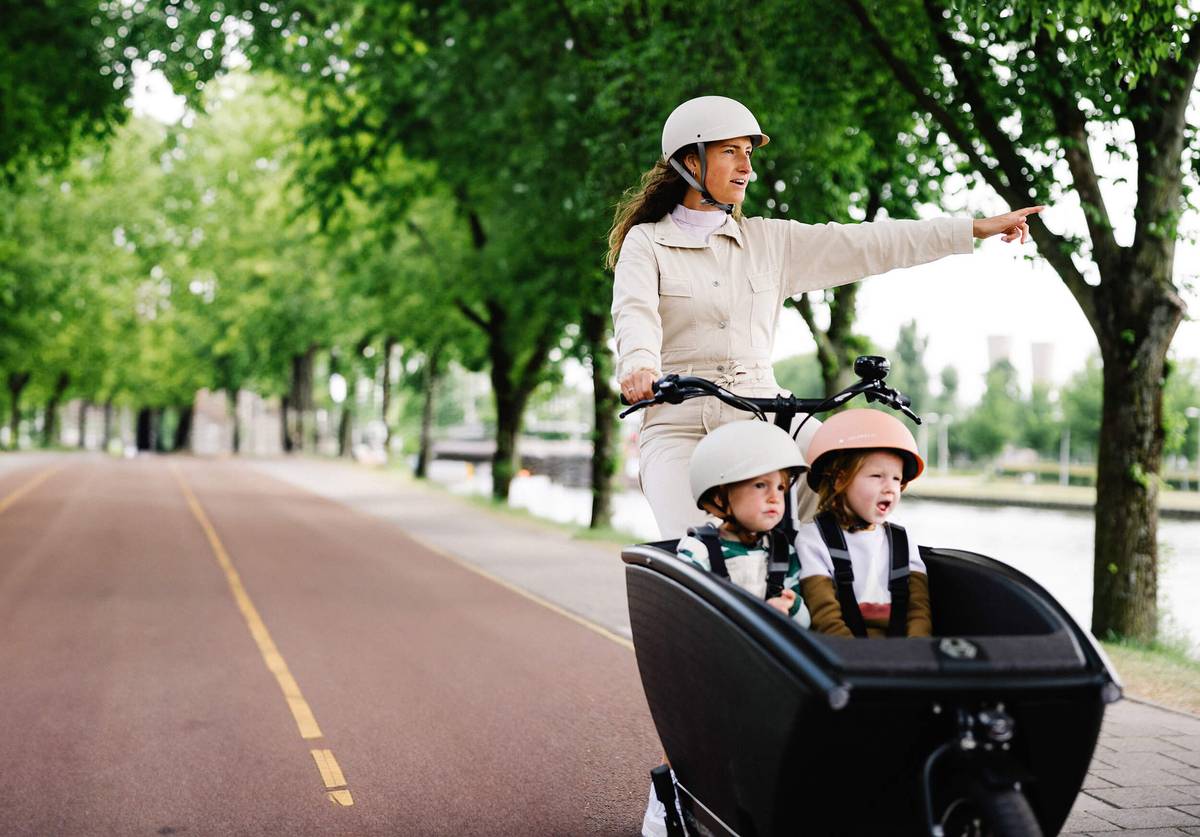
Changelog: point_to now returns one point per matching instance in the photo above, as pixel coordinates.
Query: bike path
(143, 675)
(1145, 776)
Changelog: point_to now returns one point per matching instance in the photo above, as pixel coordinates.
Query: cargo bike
(985, 728)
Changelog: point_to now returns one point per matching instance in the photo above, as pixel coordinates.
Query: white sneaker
(654, 822)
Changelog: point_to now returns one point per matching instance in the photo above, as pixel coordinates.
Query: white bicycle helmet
(740, 450)
(706, 119)
(702, 120)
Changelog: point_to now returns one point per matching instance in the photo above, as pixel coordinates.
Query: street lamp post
(923, 442)
(944, 443)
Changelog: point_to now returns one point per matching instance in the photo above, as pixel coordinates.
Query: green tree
(1182, 393)
(994, 421)
(909, 374)
(1019, 95)
(801, 375)
(946, 402)
(1040, 426)
(62, 79)
(1082, 400)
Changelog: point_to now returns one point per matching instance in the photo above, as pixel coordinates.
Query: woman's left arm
(824, 255)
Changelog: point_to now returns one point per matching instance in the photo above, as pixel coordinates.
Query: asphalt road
(191, 647)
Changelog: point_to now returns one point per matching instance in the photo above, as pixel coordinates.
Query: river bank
(979, 490)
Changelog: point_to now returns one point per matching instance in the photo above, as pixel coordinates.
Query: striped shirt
(747, 568)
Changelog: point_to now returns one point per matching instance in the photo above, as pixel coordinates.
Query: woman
(698, 287)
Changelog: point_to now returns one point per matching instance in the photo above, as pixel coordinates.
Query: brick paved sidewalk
(1144, 780)
(1145, 777)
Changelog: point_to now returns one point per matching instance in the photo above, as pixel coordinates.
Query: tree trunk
(108, 410)
(231, 399)
(510, 390)
(510, 408)
(147, 429)
(303, 424)
(604, 422)
(429, 393)
(16, 383)
(1125, 573)
(83, 411)
(389, 345)
(50, 426)
(345, 426)
(284, 425)
(183, 430)
(160, 436)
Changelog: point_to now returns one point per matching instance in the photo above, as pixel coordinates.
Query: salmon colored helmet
(862, 430)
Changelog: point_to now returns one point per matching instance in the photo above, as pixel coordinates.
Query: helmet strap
(705, 197)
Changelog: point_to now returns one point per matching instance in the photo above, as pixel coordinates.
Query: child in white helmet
(861, 575)
(741, 474)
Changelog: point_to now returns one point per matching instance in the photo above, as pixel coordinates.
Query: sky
(958, 302)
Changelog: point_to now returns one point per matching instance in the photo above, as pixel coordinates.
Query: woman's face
(728, 174)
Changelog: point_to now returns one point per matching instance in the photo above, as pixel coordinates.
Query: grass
(1161, 672)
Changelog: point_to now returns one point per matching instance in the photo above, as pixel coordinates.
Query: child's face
(757, 503)
(874, 492)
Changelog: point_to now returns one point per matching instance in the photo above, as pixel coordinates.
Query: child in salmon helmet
(741, 474)
(861, 575)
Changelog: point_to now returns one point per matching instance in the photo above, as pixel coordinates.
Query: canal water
(1052, 547)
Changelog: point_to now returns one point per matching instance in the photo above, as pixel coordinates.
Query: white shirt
(869, 557)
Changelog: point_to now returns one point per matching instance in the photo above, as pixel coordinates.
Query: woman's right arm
(636, 322)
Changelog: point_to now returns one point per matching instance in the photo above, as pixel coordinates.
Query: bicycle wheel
(1006, 813)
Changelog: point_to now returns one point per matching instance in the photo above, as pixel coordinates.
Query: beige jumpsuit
(711, 309)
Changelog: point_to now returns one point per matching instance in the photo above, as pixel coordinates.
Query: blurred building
(1043, 364)
(999, 348)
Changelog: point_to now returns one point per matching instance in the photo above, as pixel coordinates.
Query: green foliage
(909, 374)
(1040, 426)
(1182, 392)
(800, 375)
(1082, 406)
(62, 79)
(994, 421)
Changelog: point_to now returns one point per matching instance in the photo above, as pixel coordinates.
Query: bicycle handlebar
(675, 389)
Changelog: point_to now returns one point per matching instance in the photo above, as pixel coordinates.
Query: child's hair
(836, 477)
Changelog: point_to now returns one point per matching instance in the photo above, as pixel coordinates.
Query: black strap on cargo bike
(843, 575)
(777, 556)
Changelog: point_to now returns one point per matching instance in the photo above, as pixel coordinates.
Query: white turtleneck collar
(698, 223)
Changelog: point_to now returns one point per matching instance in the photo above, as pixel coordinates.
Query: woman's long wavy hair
(659, 191)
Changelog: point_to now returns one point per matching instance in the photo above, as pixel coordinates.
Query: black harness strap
(843, 575)
(777, 563)
(843, 572)
(777, 556)
(707, 535)
(898, 579)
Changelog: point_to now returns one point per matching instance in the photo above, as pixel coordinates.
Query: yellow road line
(29, 486)
(533, 597)
(301, 712)
(332, 776)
